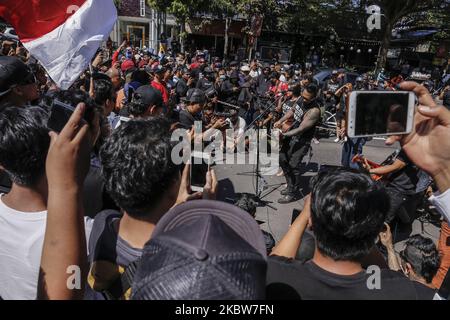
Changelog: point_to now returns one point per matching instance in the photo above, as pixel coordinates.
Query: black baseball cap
(14, 72)
(159, 69)
(196, 96)
(203, 250)
(148, 95)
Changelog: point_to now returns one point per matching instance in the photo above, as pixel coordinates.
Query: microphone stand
(257, 172)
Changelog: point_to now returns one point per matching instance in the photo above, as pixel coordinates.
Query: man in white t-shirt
(24, 143)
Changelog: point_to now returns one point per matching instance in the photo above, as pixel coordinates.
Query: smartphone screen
(59, 116)
(295, 214)
(382, 113)
(199, 169)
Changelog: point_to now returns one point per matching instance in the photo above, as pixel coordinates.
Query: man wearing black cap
(184, 84)
(159, 84)
(206, 82)
(147, 102)
(18, 87)
(229, 90)
(196, 100)
(18, 84)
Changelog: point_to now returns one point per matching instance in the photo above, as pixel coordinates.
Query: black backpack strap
(120, 287)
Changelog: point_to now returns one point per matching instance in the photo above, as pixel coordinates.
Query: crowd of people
(101, 193)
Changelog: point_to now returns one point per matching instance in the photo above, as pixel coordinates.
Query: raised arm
(64, 259)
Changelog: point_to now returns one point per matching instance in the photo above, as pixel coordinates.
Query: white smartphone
(380, 113)
(200, 164)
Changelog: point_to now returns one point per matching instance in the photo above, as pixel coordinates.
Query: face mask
(223, 77)
(283, 78)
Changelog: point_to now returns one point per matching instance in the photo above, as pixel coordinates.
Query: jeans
(350, 149)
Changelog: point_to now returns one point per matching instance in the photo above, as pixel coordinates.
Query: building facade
(141, 25)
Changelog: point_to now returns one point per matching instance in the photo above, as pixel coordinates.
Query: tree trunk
(385, 43)
(182, 31)
(225, 46)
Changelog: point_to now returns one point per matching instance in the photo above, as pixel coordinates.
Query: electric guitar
(361, 160)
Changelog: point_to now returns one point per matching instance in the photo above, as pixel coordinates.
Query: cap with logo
(148, 96)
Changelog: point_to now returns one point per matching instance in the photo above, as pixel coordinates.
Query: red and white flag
(63, 35)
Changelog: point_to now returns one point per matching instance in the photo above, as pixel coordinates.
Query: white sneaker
(337, 140)
(345, 139)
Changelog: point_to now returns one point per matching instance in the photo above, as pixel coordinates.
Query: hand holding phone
(200, 166)
(61, 113)
(428, 145)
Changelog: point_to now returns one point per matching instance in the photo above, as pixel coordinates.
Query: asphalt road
(276, 218)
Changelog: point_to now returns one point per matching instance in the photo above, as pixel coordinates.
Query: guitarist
(305, 114)
(402, 181)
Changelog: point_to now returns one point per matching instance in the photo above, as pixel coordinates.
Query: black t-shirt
(181, 89)
(332, 86)
(291, 280)
(263, 84)
(405, 180)
(109, 256)
(204, 84)
(187, 120)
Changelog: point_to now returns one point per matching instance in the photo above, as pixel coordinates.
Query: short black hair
(312, 88)
(137, 166)
(348, 211)
(103, 91)
(136, 109)
(140, 76)
(73, 97)
(423, 256)
(297, 90)
(24, 143)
